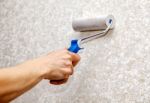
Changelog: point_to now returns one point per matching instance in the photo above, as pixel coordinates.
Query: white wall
(113, 69)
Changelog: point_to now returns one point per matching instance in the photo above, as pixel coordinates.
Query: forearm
(15, 81)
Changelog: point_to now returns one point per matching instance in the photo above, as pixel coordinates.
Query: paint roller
(104, 23)
(92, 24)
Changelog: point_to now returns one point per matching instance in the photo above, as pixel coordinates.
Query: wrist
(33, 68)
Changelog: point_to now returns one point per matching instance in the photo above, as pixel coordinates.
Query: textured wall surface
(113, 69)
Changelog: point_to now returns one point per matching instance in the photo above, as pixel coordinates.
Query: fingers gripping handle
(74, 47)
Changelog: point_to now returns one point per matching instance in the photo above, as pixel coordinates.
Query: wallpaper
(113, 69)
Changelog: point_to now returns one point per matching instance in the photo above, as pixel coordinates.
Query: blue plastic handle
(74, 47)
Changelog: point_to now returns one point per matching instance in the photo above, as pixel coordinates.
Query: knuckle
(69, 56)
(69, 71)
(68, 63)
(66, 76)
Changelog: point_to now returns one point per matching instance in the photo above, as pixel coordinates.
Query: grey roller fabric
(89, 24)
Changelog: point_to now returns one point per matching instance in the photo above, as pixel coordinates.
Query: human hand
(59, 65)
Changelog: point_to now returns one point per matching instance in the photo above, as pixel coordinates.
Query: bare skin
(16, 80)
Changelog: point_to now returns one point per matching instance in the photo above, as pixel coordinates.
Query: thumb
(75, 58)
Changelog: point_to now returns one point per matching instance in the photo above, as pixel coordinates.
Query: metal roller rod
(100, 34)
